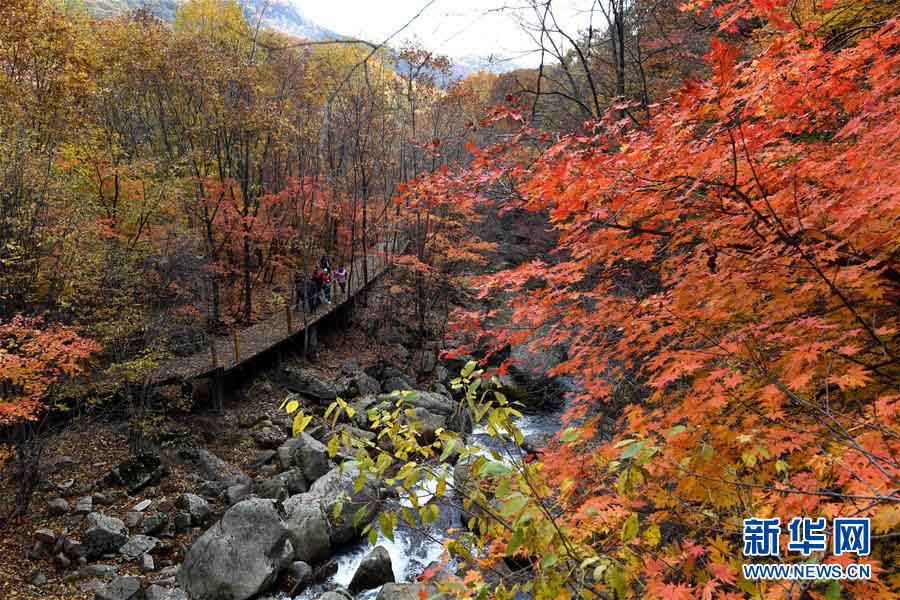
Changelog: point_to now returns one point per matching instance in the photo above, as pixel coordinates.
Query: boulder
(182, 521)
(138, 545)
(195, 506)
(308, 528)
(335, 595)
(338, 486)
(269, 436)
(104, 535)
(74, 549)
(146, 563)
(357, 384)
(237, 492)
(405, 591)
(373, 571)
(57, 506)
(273, 488)
(307, 454)
(46, 537)
(426, 423)
(301, 571)
(430, 401)
(158, 592)
(91, 571)
(240, 555)
(137, 473)
(362, 406)
(303, 381)
(529, 372)
(120, 588)
(155, 523)
(211, 467)
(442, 374)
(294, 481)
(133, 519)
(396, 383)
(84, 505)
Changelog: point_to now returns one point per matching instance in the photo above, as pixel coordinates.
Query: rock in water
(405, 591)
(373, 571)
(338, 486)
(240, 555)
(106, 534)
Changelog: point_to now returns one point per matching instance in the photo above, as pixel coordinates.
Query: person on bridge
(341, 277)
(326, 286)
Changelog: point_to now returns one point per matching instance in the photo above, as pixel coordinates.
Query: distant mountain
(281, 15)
(286, 17)
(463, 66)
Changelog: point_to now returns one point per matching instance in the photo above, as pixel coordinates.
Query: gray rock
(182, 521)
(90, 586)
(120, 588)
(373, 571)
(311, 456)
(395, 383)
(197, 507)
(46, 537)
(158, 592)
(91, 571)
(274, 489)
(306, 453)
(301, 571)
(262, 458)
(294, 481)
(335, 595)
(269, 436)
(211, 467)
(142, 505)
(138, 473)
(74, 549)
(57, 506)
(431, 401)
(303, 381)
(138, 545)
(146, 563)
(155, 523)
(426, 423)
(441, 374)
(84, 505)
(308, 528)
(133, 519)
(237, 492)
(404, 591)
(240, 555)
(37, 578)
(338, 486)
(106, 534)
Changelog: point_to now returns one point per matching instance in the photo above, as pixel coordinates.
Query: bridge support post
(218, 390)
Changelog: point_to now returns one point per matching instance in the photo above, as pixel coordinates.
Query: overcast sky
(456, 28)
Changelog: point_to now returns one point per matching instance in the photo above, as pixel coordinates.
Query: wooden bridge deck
(227, 352)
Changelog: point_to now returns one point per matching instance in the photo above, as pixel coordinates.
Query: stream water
(412, 550)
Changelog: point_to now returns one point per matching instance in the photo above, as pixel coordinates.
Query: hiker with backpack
(341, 277)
